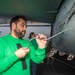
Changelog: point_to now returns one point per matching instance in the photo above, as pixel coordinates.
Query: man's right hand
(21, 52)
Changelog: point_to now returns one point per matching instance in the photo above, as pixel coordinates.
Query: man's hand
(21, 52)
(41, 40)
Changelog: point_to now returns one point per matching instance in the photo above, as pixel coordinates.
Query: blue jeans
(33, 67)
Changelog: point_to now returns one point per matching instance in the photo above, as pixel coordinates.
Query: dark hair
(16, 18)
(30, 35)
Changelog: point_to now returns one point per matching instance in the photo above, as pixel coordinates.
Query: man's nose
(25, 27)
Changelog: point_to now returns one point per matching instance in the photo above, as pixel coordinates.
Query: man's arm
(6, 62)
(37, 55)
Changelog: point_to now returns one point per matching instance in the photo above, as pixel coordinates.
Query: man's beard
(20, 34)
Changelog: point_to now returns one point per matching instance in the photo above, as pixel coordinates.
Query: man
(33, 65)
(15, 53)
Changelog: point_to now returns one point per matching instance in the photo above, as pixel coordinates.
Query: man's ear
(13, 26)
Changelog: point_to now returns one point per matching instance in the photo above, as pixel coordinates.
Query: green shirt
(34, 43)
(10, 64)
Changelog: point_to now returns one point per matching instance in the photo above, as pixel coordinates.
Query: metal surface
(66, 42)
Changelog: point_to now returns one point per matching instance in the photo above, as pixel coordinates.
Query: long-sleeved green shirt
(34, 43)
(10, 64)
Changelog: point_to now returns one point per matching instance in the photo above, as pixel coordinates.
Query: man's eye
(23, 25)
